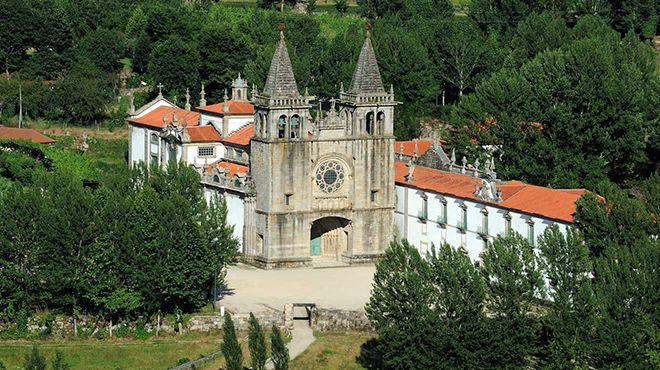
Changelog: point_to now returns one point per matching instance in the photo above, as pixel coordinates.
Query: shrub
(34, 360)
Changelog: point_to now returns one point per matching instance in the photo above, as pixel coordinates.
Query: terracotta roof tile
(241, 136)
(15, 133)
(204, 134)
(236, 108)
(409, 147)
(234, 168)
(558, 204)
(155, 117)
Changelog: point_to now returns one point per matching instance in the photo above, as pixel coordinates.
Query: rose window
(330, 176)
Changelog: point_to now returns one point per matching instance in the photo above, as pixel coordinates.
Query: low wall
(324, 319)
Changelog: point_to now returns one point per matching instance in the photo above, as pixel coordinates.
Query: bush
(142, 333)
(123, 331)
(34, 360)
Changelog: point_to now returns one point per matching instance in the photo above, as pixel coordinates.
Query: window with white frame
(206, 151)
(483, 229)
(443, 212)
(507, 224)
(424, 212)
(463, 222)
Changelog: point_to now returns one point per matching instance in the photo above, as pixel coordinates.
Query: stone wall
(324, 319)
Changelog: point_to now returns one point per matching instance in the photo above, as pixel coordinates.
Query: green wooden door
(315, 246)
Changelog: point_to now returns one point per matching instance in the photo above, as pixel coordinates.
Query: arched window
(295, 126)
(216, 178)
(281, 127)
(370, 123)
(154, 138)
(380, 120)
(238, 92)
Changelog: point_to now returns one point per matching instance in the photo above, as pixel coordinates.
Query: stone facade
(323, 188)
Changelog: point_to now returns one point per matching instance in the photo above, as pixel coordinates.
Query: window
(424, 212)
(370, 123)
(507, 225)
(381, 122)
(530, 232)
(205, 151)
(463, 223)
(154, 138)
(287, 199)
(281, 127)
(443, 212)
(483, 229)
(374, 196)
(295, 126)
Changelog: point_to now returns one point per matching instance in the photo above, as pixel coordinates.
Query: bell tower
(324, 188)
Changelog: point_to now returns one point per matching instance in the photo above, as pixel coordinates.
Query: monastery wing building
(335, 187)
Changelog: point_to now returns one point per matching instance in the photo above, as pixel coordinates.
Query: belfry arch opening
(329, 237)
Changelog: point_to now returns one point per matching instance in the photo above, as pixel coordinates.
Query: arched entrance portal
(329, 237)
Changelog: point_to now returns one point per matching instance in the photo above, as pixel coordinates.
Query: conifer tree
(257, 344)
(280, 354)
(59, 363)
(230, 347)
(34, 360)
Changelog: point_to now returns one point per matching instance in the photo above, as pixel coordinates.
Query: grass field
(155, 353)
(332, 350)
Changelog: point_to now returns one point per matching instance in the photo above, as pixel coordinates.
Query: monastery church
(337, 187)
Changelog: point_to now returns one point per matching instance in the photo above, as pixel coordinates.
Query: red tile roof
(234, 168)
(204, 134)
(155, 117)
(241, 136)
(558, 204)
(15, 133)
(409, 147)
(236, 108)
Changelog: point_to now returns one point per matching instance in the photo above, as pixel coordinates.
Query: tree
(257, 344)
(513, 284)
(34, 360)
(538, 33)
(230, 347)
(341, 6)
(59, 363)
(280, 354)
(175, 63)
(103, 48)
(83, 94)
(224, 53)
(462, 54)
(567, 267)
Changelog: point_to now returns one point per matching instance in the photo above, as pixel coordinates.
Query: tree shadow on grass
(370, 356)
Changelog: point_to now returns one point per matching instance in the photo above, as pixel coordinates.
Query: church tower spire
(366, 79)
(281, 83)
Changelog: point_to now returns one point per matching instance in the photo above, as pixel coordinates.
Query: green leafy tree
(83, 94)
(59, 363)
(257, 344)
(224, 53)
(567, 267)
(280, 354)
(103, 48)
(538, 33)
(513, 285)
(230, 347)
(399, 308)
(34, 360)
(172, 59)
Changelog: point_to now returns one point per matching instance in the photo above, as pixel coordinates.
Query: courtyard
(250, 289)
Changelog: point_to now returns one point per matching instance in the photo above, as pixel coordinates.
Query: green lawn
(155, 353)
(332, 350)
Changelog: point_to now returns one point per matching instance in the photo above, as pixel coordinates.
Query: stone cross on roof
(160, 89)
(281, 83)
(366, 79)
